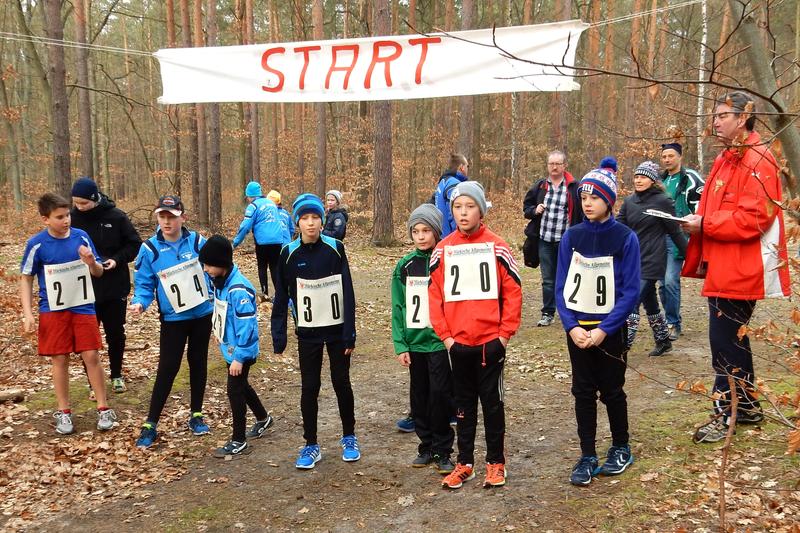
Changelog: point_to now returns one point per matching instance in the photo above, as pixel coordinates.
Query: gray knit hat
(336, 194)
(430, 216)
(649, 169)
(474, 190)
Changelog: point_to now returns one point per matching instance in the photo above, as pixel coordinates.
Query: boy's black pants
(241, 396)
(111, 314)
(173, 339)
(310, 378)
(600, 369)
(267, 256)
(478, 374)
(431, 400)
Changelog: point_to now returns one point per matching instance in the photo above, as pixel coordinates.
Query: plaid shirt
(555, 218)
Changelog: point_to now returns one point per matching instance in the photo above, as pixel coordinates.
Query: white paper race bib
(320, 302)
(185, 285)
(590, 284)
(417, 315)
(470, 272)
(218, 319)
(68, 285)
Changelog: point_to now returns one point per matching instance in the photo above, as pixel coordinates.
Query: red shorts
(65, 332)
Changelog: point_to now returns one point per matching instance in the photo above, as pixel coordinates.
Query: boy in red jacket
(475, 299)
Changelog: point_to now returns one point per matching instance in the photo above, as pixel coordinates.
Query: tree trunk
(59, 124)
(559, 113)
(758, 57)
(466, 104)
(382, 225)
(191, 113)
(214, 156)
(174, 111)
(84, 105)
(201, 214)
(13, 148)
(255, 141)
(321, 169)
(701, 88)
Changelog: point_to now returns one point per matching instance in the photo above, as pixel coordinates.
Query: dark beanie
(85, 188)
(673, 146)
(218, 252)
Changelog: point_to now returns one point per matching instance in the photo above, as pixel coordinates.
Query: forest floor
(92, 481)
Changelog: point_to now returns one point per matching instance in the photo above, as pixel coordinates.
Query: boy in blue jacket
(168, 271)
(283, 215)
(235, 328)
(597, 286)
(314, 273)
(262, 218)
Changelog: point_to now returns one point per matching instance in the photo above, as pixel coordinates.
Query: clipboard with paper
(662, 214)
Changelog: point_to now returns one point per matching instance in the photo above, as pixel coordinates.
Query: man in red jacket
(737, 244)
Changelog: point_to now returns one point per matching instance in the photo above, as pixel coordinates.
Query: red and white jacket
(474, 322)
(741, 250)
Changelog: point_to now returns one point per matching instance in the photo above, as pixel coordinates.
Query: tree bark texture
(84, 103)
(214, 137)
(382, 223)
(201, 214)
(321, 166)
(191, 112)
(59, 123)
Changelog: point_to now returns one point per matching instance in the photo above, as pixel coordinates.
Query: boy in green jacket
(417, 346)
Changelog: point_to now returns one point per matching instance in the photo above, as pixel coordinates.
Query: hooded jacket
(741, 248)
(240, 337)
(441, 199)
(336, 223)
(115, 238)
(262, 218)
(423, 340)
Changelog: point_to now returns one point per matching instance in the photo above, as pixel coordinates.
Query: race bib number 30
(470, 272)
(68, 285)
(320, 302)
(218, 319)
(185, 285)
(417, 316)
(590, 284)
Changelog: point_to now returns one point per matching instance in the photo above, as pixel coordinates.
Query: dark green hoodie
(411, 329)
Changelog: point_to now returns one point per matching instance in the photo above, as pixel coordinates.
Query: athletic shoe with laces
(232, 448)
(198, 425)
(148, 436)
(63, 423)
(617, 460)
(309, 456)
(422, 459)
(258, 429)
(118, 385)
(584, 470)
(750, 416)
(444, 465)
(106, 419)
(460, 474)
(546, 320)
(350, 451)
(714, 430)
(406, 425)
(495, 475)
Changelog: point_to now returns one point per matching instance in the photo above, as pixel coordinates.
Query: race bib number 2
(68, 285)
(417, 314)
(590, 284)
(470, 272)
(185, 285)
(320, 302)
(218, 319)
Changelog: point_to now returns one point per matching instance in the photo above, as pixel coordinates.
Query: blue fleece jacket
(288, 226)
(240, 337)
(441, 198)
(262, 218)
(592, 239)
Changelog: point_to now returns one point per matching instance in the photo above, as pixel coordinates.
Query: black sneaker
(258, 429)
(618, 459)
(750, 416)
(712, 431)
(584, 470)
(443, 464)
(661, 348)
(233, 448)
(674, 332)
(422, 459)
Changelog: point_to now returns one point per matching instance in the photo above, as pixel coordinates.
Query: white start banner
(399, 67)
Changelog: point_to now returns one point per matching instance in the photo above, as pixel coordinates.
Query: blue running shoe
(584, 470)
(406, 425)
(617, 460)
(309, 456)
(453, 421)
(350, 451)
(148, 436)
(198, 425)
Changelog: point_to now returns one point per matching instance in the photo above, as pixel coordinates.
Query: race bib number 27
(68, 285)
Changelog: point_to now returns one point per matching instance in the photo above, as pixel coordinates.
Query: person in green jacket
(418, 347)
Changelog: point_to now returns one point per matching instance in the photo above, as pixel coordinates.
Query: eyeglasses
(555, 164)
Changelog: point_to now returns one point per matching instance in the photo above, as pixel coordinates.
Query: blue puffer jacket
(441, 198)
(240, 339)
(156, 255)
(262, 218)
(288, 225)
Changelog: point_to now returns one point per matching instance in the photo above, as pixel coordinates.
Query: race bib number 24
(185, 285)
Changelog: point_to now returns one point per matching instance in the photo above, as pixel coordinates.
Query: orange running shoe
(457, 477)
(495, 475)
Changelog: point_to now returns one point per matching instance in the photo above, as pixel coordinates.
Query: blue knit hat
(253, 189)
(609, 163)
(602, 183)
(649, 169)
(307, 203)
(85, 188)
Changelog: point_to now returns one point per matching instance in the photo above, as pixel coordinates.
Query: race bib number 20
(68, 285)
(470, 272)
(589, 287)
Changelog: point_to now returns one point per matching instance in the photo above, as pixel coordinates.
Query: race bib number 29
(470, 272)
(185, 285)
(589, 287)
(68, 285)
(320, 302)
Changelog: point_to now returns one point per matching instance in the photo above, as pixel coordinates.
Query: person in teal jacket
(418, 347)
(283, 215)
(235, 328)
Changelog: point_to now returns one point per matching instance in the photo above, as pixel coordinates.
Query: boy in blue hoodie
(235, 328)
(168, 271)
(597, 286)
(313, 272)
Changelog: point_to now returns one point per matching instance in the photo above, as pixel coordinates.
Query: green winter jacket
(411, 329)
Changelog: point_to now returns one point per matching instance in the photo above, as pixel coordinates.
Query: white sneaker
(106, 419)
(63, 423)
